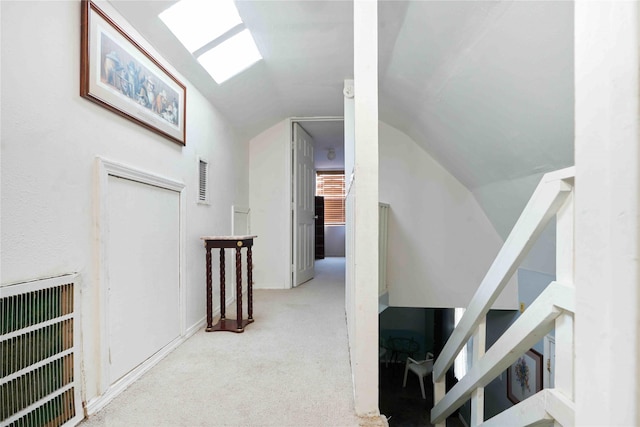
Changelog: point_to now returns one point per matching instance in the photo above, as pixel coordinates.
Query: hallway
(289, 368)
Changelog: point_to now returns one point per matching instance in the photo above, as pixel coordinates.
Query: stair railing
(553, 308)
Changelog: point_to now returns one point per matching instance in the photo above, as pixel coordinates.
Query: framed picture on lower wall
(120, 75)
(524, 377)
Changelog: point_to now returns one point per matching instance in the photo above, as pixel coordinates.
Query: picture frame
(524, 377)
(120, 75)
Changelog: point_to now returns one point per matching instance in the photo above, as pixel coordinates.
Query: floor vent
(39, 361)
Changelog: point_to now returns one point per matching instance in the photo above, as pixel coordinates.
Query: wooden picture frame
(120, 75)
(524, 377)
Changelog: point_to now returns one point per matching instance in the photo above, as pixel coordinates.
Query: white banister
(548, 197)
(564, 348)
(477, 396)
(554, 308)
(528, 329)
(539, 410)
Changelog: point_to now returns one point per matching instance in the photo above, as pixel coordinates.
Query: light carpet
(289, 368)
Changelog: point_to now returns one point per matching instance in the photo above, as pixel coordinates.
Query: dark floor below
(405, 407)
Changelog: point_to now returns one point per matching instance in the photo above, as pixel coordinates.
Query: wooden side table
(222, 243)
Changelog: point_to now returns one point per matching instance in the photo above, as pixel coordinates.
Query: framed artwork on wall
(120, 75)
(524, 377)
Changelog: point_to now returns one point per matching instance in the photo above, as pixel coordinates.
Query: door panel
(143, 268)
(304, 181)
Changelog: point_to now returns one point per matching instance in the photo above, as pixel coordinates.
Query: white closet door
(304, 206)
(143, 276)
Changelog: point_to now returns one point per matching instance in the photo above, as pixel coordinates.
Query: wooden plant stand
(222, 243)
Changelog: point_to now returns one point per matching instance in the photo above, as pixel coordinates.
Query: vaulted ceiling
(486, 87)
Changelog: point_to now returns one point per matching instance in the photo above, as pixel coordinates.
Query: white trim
(106, 168)
(238, 210)
(99, 402)
(241, 210)
(540, 409)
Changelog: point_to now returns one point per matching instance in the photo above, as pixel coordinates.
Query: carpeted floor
(289, 368)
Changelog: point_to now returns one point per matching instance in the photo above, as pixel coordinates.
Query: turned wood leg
(250, 282)
(223, 299)
(209, 291)
(239, 288)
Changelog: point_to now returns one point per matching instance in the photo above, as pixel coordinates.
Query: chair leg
(406, 370)
(424, 396)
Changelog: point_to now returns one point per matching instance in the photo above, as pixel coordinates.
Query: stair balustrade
(554, 308)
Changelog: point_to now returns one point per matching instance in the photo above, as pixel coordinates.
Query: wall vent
(39, 360)
(203, 171)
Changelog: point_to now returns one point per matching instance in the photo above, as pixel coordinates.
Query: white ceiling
(486, 87)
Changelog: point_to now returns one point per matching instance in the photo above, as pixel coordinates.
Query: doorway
(317, 145)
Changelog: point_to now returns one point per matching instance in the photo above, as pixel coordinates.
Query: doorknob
(315, 217)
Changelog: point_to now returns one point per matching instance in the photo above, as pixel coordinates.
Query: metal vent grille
(38, 358)
(203, 169)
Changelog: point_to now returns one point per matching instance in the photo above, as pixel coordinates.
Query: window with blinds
(330, 185)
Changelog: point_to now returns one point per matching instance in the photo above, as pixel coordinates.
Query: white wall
(50, 139)
(503, 203)
(269, 178)
(334, 240)
(441, 243)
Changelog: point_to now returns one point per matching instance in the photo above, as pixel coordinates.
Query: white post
(564, 363)
(439, 391)
(362, 206)
(607, 201)
(479, 348)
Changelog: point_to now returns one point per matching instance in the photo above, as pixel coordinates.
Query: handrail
(546, 405)
(550, 194)
(528, 329)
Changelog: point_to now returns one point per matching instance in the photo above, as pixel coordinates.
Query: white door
(143, 269)
(304, 188)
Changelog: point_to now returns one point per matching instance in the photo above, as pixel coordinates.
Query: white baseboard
(195, 328)
(99, 402)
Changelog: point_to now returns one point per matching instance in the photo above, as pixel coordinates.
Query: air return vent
(203, 170)
(39, 375)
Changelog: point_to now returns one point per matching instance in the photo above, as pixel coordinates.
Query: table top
(227, 237)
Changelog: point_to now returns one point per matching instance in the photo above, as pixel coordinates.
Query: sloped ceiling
(486, 87)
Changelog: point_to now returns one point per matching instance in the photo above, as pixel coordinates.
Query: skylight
(197, 22)
(230, 57)
(214, 33)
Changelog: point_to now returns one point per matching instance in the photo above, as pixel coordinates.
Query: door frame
(289, 190)
(106, 168)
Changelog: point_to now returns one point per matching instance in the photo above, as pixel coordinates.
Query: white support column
(439, 391)
(564, 349)
(477, 397)
(363, 200)
(607, 201)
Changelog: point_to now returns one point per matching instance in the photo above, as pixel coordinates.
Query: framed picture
(117, 73)
(524, 377)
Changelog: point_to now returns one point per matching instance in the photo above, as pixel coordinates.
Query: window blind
(330, 185)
